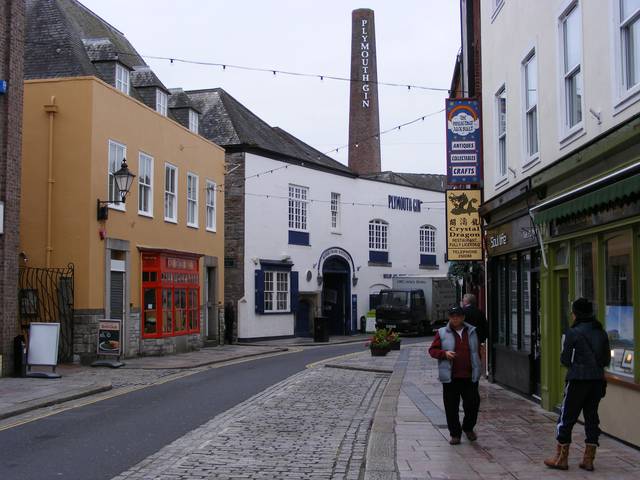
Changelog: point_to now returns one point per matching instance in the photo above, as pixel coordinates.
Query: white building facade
(320, 243)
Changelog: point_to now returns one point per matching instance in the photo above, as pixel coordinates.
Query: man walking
(585, 353)
(474, 316)
(455, 346)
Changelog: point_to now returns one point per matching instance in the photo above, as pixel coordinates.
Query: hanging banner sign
(463, 141)
(464, 231)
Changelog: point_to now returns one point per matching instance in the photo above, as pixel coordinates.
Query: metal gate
(46, 295)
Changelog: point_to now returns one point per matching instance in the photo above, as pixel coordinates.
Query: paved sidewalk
(21, 395)
(514, 434)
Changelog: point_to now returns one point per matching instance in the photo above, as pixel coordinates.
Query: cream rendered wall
(507, 37)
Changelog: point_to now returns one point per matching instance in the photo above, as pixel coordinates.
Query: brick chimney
(364, 120)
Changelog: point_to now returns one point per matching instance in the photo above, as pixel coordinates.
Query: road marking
(72, 404)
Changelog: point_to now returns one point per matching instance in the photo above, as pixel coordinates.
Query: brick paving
(314, 425)
(514, 434)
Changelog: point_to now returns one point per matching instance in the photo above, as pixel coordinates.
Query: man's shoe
(454, 441)
(471, 435)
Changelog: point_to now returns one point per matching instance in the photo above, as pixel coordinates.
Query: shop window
(619, 302)
(513, 303)
(525, 289)
(584, 268)
(502, 302)
(171, 292)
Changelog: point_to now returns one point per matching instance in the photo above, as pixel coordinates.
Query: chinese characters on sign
(463, 142)
(464, 233)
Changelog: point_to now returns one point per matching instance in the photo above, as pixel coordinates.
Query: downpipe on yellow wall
(51, 109)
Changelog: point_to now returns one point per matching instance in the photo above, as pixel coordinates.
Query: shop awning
(579, 203)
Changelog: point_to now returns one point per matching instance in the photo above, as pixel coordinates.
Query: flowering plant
(380, 339)
(393, 337)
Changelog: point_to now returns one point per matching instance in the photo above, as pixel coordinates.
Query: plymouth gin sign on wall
(463, 142)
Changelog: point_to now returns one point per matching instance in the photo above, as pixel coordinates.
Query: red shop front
(170, 294)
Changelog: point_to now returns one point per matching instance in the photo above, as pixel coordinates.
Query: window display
(619, 302)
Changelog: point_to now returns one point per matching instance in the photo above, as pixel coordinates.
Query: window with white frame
(211, 206)
(145, 184)
(117, 153)
(161, 102)
(276, 291)
(428, 239)
(571, 33)
(530, 72)
(298, 207)
(629, 24)
(193, 121)
(378, 231)
(170, 192)
(335, 211)
(501, 132)
(122, 78)
(192, 200)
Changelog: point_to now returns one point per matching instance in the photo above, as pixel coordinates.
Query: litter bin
(19, 357)
(321, 329)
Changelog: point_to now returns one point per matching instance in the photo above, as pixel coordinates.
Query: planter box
(379, 351)
(394, 345)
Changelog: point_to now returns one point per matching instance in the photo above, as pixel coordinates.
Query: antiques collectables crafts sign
(463, 141)
(464, 232)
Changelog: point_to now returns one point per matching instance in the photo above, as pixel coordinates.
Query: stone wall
(234, 205)
(11, 70)
(85, 335)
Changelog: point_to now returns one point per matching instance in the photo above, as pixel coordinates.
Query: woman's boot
(589, 455)
(560, 460)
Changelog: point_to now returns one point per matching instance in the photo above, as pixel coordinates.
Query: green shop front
(589, 220)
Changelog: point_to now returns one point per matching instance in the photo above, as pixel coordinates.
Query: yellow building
(156, 262)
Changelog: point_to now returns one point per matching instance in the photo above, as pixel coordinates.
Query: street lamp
(123, 179)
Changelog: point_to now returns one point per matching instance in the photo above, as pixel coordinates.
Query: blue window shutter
(294, 291)
(259, 288)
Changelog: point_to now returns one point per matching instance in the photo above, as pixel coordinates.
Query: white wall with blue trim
(269, 238)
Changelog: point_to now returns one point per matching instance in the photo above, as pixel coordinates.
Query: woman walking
(585, 353)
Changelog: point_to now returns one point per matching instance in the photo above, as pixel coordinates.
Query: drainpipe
(51, 109)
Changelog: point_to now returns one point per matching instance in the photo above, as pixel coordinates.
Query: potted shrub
(379, 345)
(394, 340)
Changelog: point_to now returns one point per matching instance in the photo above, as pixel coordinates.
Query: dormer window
(193, 121)
(122, 78)
(161, 102)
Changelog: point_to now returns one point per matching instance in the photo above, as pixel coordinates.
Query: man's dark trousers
(452, 392)
(579, 395)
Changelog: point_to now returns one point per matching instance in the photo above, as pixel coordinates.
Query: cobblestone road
(314, 425)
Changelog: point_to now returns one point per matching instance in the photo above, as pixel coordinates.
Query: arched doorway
(336, 295)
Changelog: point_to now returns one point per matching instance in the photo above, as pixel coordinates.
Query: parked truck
(415, 304)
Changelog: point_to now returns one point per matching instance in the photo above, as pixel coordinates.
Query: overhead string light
(379, 134)
(224, 66)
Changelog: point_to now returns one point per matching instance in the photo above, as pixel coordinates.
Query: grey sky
(417, 41)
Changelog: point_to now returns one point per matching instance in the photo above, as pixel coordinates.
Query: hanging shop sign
(464, 231)
(463, 141)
